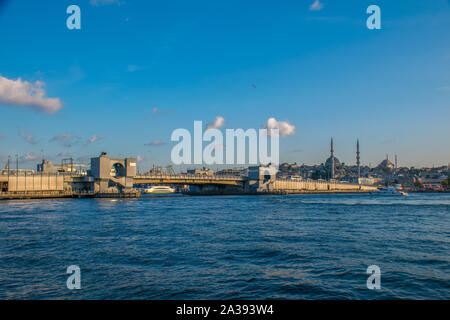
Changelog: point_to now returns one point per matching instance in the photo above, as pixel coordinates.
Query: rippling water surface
(241, 247)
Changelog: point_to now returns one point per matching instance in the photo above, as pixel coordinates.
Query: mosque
(386, 165)
(336, 169)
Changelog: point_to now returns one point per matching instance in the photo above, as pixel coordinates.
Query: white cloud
(28, 137)
(20, 93)
(316, 6)
(95, 138)
(284, 127)
(155, 143)
(30, 156)
(157, 111)
(218, 123)
(65, 139)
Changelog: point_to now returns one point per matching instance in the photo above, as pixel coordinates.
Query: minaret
(396, 162)
(332, 159)
(358, 163)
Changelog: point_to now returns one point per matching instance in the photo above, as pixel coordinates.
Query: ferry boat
(390, 191)
(159, 189)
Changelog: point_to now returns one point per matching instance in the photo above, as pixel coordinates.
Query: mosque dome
(386, 164)
(329, 162)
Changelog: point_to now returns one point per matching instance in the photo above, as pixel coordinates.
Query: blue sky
(137, 70)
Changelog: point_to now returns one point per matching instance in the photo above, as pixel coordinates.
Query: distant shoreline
(5, 197)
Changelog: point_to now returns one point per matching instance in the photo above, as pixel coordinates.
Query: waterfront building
(48, 167)
(203, 172)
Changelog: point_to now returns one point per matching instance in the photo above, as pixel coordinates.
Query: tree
(446, 182)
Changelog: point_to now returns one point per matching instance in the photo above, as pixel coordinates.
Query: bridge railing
(30, 173)
(189, 176)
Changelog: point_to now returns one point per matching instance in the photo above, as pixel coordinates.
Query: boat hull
(159, 190)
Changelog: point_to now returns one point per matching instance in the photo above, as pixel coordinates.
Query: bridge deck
(189, 179)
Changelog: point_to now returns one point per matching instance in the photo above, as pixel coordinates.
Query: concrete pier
(311, 186)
